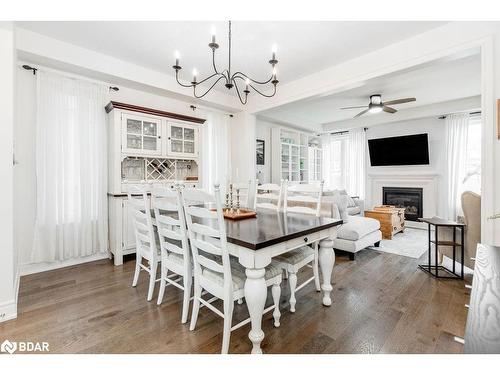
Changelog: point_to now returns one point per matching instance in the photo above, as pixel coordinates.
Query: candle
(177, 56)
(213, 34)
(195, 73)
(247, 81)
(274, 48)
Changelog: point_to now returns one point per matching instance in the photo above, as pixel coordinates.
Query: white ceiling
(441, 81)
(303, 47)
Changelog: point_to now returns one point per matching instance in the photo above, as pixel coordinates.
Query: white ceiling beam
(57, 54)
(419, 49)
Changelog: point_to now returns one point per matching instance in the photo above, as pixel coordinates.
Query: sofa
(355, 205)
(357, 232)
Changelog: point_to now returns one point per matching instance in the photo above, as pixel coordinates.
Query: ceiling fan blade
(389, 109)
(362, 113)
(359, 106)
(399, 101)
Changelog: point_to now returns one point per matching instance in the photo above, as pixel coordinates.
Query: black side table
(436, 270)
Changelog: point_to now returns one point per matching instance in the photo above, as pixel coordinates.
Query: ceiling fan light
(375, 109)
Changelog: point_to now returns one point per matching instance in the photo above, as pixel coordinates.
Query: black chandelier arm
(213, 61)
(239, 95)
(210, 88)
(261, 93)
(239, 74)
(179, 82)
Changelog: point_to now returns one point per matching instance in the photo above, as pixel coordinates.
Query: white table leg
(326, 263)
(255, 297)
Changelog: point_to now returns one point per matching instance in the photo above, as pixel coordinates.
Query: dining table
(255, 241)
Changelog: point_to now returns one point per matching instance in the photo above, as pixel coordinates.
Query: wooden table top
(437, 221)
(482, 332)
(271, 227)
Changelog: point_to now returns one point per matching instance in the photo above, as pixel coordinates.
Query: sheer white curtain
(215, 149)
(71, 169)
(356, 158)
(327, 160)
(344, 158)
(457, 126)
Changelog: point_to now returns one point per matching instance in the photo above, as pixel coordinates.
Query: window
(336, 162)
(472, 179)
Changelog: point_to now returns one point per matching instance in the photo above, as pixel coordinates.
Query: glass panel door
(141, 135)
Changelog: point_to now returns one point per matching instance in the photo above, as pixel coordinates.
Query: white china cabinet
(145, 146)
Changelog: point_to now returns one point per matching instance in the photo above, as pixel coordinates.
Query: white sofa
(357, 232)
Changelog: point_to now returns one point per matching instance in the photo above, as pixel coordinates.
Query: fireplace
(405, 197)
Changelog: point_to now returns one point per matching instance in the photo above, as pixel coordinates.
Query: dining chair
(302, 199)
(174, 246)
(268, 195)
(214, 270)
(247, 195)
(145, 242)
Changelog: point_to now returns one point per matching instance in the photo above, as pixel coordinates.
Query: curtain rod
(69, 75)
(470, 113)
(344, 132)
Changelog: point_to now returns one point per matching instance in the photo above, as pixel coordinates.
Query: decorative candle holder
(238, 201)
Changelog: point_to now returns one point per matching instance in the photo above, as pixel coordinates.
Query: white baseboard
(8, 310)
(28, 269)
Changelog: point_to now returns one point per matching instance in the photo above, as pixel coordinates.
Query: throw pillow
(341, 203)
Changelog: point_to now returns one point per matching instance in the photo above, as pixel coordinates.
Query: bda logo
(8, 347)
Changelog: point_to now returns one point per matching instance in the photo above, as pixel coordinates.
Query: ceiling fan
(377, 105)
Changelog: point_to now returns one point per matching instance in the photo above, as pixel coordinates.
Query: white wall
(437, 157)
(243, 147)
(8, 254)
(24, 138)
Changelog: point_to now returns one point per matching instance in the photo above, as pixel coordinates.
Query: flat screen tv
(404, 150)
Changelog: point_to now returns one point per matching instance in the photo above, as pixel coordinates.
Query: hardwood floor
(381, 304)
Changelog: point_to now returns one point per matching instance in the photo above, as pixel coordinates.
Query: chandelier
(230, 79)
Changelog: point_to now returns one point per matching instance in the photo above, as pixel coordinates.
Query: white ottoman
(358, 233)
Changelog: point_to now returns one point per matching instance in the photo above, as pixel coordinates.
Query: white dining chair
(302, 199)
(247, 195)
(145, 242)
(268, 196)
(174, 246)
(214, 270)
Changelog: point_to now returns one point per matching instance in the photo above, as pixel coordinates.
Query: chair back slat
(268, 196)
(207, 247)
(201, 212)
(211, 264)
(207, 234)
(139, 207)
(171, 222)
(205, 230)
(305, 198)
(167, 220)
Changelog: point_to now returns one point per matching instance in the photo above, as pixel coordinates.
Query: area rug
(411, 243)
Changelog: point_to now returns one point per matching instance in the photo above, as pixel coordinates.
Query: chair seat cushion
(296, 256)
(238, 274)
(357, 227)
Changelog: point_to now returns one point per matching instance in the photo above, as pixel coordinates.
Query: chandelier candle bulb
(177, 57)
(213, 34)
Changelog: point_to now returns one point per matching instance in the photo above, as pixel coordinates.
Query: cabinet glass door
(142, 135)
(182, 140)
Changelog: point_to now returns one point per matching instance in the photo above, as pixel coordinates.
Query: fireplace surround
(410, 198)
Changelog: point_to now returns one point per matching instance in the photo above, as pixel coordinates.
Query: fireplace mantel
(427, 181)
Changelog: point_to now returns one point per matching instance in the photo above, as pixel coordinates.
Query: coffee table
(391, 218)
